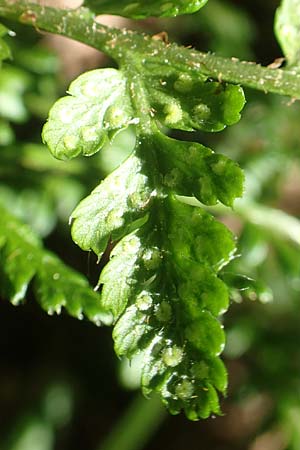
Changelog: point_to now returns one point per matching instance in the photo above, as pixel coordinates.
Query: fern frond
(24, 260)
(161, 284)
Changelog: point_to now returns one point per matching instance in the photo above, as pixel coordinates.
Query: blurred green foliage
(53, 397)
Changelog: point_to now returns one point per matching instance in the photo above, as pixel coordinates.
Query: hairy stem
(80, 24)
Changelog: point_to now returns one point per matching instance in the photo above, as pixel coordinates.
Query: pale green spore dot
(219, 167)
(172, 178)
(192, 154)
(201, 112)
(131, 245)
(114, 219)
(90, 89)
(196, 218)
(184, 390)
(89, 134)
(200, 370)
(117, 184)
(71, 142)
(172, 356)
(184, 83)
(144, 301)
(163, 312)
(139, 199)
(166, 7)
(66, 115)
(173, 113)
(207, 194)
(152, 258)
(114, 117)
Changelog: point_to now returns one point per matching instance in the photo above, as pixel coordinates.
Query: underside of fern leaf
(161, 284)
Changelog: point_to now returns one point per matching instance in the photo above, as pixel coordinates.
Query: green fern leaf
(172, 297)
(191, 169)
(162, 283)
(188, 102)
(98, 106)
(113, 208)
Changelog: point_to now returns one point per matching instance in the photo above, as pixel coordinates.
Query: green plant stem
(137, 425)
(80, 24)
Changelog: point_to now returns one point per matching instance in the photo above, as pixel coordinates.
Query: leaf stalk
(80, 24)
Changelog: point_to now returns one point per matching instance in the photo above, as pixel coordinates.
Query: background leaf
(287, 29)
(23, 259)
(14, 82)
(142, 8)
(4, 49)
